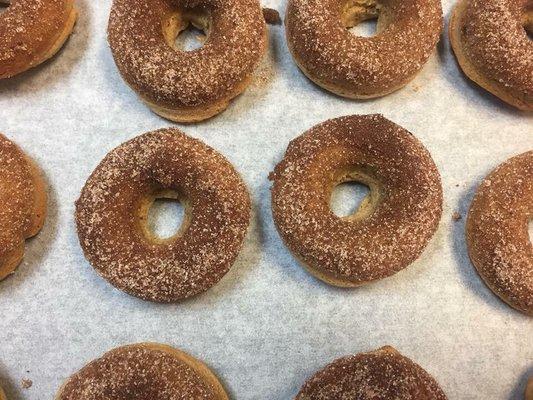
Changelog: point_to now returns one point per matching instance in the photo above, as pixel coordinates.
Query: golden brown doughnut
(490, 41)
(179, 85)
(383, 374)
(497, 231)
(393, 224)
(22, 204)
(111, 216)
(143, 371)
(359, 67)
(32, 31)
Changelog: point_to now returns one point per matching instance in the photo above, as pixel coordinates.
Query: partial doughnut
(497, 231)
(491, 43)
(32, 31)
(187, 86)
(22, 204)
(382, 374)
(112, 208)
(359, 67)
(143, 371)
(393, 224)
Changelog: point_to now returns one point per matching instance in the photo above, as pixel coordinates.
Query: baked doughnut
(32, 31)
(383, 374)
(359, 67)
(393, 223)
(22, 204)
(497, 231)
(111, 216)
(490, 40)
(143, 371)
(187, 86)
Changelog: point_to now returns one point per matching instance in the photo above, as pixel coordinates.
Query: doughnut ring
(22, 204)
(187, 86)
(497, 231)
(111, 216)
(32, 31)
(392, 225)
(380, 374)
(359, 67)
(490, 41)
(149, 370)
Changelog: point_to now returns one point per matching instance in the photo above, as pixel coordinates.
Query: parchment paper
(268, 325)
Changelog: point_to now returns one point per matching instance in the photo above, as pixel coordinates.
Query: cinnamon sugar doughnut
(179, 85)
(491, 44)
(143, 371)
(22, 204)
(497, 231)
(393, 224)
(382, 374)
(32, 31)
(111, 216)
(360, 67)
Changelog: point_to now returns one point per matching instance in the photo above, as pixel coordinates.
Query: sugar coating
(109, 227)
(17, 193)
(497, 231)
(495, 41)
(401, 224)
(137, 372)
(383, 374)
(174, 78)
(28, 28)
(328, 52)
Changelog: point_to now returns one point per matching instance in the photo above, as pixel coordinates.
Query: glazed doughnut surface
(383, 374)
(359, 67)
(143, 371)
(497, 231)
(112, 208)
(393, 224)
(22, 204)
(490, 41)
(32, 31)
(187, 85)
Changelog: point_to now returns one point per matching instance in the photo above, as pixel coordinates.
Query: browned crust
(169, 380)
(392, 226)
(26, 44)
(383, 374)
(187, 86)
(497, 232)
(110, 211)
(24, 208)
(357, 67)
(502, 76)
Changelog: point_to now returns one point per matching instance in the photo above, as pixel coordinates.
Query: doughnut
(187, 86)
(32, 31)
(392, 225)
(143, 371)
(111, 216)
(497, 231)
(360, 67)
(490, 41)
(22, 204)
(382, 374)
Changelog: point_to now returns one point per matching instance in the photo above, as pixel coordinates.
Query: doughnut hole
(4, 4)
(163, 216)
(364, 18)
(186, 30)
(355, 194)
(527, 20)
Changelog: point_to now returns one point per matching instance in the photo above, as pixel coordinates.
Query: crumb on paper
(26, 383)
(271, 16)
(456, 216)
